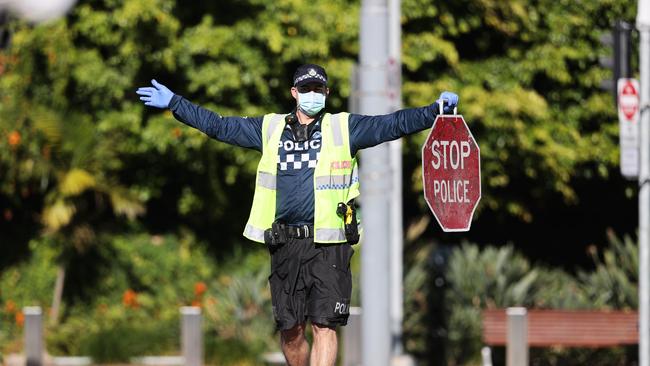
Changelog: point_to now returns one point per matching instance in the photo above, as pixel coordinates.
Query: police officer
(303, 207)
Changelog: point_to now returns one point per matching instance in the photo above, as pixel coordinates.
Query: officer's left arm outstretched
(368, 131)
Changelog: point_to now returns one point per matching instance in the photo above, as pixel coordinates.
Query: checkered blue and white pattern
(295, 161)
(338, 186)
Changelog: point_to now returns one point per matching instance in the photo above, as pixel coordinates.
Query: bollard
(402, 360)
(352, 339)
(33, 335)
(486, 356)
(517, 348)
(191, 336)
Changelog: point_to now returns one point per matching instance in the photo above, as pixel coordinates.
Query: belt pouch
(276, 236)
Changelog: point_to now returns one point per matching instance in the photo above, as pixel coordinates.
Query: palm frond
(126, 204)
(75, 182)
(57, 215)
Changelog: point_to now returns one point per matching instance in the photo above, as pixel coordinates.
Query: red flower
(10, 307)
(130, 299)
(200, 288)
(14, 138)
(20, 319)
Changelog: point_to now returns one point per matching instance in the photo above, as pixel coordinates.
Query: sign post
(451, 172)
(643, 25)
(628, 124)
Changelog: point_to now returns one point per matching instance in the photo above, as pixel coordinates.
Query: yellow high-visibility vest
(336, 179)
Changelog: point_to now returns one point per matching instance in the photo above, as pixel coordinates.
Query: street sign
(451, 172)
(628, 124)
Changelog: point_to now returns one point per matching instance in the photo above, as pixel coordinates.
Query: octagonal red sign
(628, 100)
(451, 172)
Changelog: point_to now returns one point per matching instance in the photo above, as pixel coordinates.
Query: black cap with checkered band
(309, 73)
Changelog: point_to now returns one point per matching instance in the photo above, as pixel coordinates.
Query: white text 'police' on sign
(450, 155)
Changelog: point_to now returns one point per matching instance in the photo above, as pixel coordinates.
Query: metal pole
(191, 336)
(643, 24)
(517, 348)
(395, 148)
(376, 185)
(33, 335)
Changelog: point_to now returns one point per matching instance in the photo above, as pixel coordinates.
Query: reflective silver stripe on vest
(336, 130)
(355, 173)
(272, 125)
(337, 181)
(254, 233)
(266, 180)
(329, 235)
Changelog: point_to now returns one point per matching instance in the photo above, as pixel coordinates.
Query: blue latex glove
(159, 96)
(448, 100)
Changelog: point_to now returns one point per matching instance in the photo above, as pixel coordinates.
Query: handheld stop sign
(451, 172)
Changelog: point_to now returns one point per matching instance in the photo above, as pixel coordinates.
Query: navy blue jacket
(295, 180)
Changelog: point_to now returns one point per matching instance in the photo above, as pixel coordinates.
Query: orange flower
(20, 319)
(197, 303)
(14, 138)
(177, 132)
(200, 288)
(130, 299)
(10, 307)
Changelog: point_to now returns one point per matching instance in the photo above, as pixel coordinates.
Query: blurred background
(113, 215)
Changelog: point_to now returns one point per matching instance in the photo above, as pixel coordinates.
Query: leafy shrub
(122, 341)
(132, 308)
(447, 288)
(238, 312)
(27, 284)
(613, 284)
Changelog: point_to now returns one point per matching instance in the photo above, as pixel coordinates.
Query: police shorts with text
(310, 281)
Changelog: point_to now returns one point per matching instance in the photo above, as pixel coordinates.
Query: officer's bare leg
(325, 345)
(295, 346)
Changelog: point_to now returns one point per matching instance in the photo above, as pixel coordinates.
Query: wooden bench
(566, 328)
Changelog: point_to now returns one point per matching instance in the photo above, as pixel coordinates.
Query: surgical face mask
(311, 103)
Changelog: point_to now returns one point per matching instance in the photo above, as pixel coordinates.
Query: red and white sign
(628, 100)
(451, 172)
(628, 123)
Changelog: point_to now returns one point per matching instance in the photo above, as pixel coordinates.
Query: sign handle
(441, 103)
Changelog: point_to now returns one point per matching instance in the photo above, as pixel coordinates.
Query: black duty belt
(299, 232)
(277, 235)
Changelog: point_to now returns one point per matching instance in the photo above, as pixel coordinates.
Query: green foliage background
(446, 288)
(83, 165)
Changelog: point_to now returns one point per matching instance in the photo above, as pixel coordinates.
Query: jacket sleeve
(368, 131)
(238, 131)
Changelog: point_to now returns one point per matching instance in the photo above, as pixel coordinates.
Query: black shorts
(310, 281)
